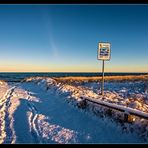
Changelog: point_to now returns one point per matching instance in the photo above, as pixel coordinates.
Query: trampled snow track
(43, 131)
(9, 103)
(32, 118)
(7, 119)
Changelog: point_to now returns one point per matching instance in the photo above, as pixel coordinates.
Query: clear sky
(64, 38)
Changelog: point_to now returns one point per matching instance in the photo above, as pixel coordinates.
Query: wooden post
(125, 117)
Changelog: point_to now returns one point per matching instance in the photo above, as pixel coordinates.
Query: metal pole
(102, 91)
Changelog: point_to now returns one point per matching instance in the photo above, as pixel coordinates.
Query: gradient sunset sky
(64, 38)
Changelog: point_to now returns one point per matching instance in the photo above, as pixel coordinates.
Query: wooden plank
(124, 109)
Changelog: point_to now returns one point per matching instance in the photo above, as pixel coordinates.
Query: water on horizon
(18, 76)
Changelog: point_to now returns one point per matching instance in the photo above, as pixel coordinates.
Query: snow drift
(36, 110)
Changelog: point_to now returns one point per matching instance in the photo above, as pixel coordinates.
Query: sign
(104, 51)
(103, 54)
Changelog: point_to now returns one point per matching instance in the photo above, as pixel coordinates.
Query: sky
(64, 38)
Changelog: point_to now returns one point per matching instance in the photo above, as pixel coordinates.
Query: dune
(106, 78)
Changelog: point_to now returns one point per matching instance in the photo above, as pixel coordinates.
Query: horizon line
(65, 72)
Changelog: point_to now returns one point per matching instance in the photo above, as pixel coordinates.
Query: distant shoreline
(81, 76)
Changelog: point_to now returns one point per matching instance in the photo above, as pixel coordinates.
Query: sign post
(102, 89)
(103, 54)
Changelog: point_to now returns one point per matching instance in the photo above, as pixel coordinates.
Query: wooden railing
(126, 110)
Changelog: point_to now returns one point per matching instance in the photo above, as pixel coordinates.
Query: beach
(43, 109)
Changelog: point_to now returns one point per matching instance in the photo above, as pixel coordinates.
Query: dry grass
(107, 78)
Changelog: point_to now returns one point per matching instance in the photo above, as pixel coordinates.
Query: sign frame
(104, 48)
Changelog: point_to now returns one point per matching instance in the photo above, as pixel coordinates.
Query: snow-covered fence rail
(127, 111)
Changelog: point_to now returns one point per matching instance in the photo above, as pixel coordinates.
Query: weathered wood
(125, 117)
(120, 108)
(82, 104)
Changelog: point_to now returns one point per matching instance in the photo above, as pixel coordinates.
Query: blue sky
(64, 38)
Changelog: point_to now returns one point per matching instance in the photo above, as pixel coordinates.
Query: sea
(19, 76)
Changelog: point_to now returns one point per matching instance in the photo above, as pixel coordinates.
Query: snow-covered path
(35, 115)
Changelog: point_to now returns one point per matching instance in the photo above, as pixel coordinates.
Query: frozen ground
(42, 110)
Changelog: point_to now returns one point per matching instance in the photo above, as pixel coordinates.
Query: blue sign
(104, 51)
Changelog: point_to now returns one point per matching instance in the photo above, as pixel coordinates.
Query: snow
(42, 110)
(125, 109)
